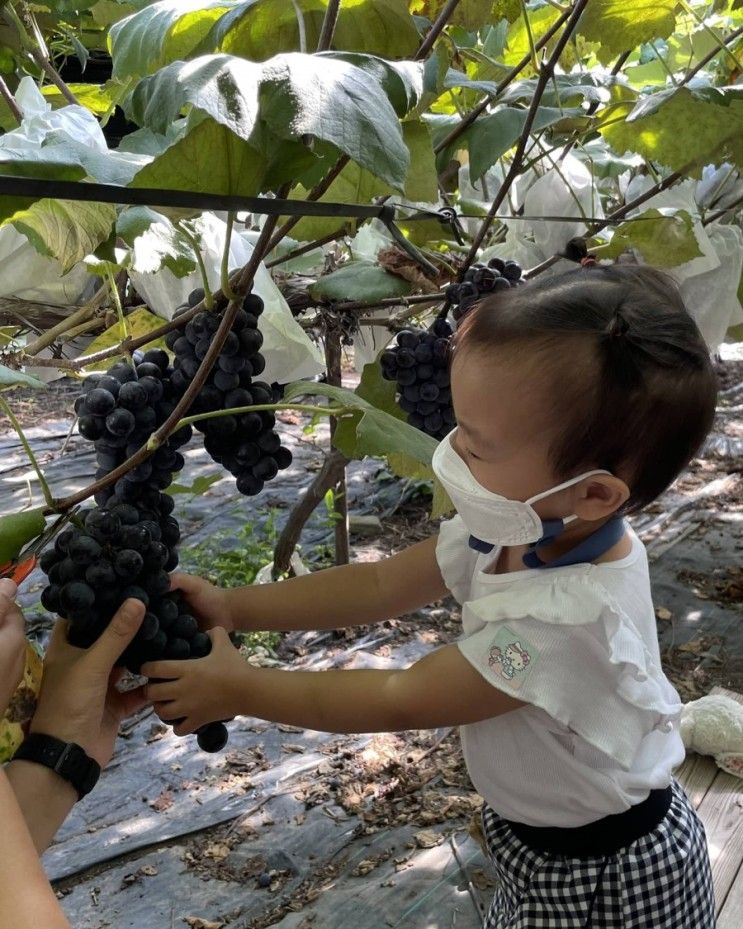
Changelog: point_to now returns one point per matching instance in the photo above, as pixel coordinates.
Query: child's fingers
(169, 670)
(157, 693)
(184, 728)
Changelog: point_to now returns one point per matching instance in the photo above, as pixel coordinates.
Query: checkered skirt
(660, 881)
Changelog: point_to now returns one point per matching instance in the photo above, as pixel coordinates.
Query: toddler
(578, 400)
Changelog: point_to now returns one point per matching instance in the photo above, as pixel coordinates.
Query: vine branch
(545, 72)
(328, 25)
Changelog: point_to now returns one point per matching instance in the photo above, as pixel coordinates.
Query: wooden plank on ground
(696, 775)
(721, 811)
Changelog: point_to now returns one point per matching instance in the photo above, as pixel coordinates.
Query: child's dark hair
(631, 380)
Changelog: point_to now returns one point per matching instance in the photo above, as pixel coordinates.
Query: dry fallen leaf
(196, 922)
(163, 802)
(427, 839)
(662, 613)
(217, 851)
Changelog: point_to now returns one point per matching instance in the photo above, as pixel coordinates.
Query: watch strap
(67, 759)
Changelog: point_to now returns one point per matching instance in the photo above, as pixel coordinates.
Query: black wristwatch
(67, 759)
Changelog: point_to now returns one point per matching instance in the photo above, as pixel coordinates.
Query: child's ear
(600, 496)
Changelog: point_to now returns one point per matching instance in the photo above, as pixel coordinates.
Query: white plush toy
(713, 725)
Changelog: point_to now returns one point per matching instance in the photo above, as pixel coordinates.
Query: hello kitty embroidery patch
(511, 656)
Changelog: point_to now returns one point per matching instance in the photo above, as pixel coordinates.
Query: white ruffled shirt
(579, 644)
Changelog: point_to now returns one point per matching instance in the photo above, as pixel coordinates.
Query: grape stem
(235, 411)
(32, 458)
(193, 241)
(226, 288)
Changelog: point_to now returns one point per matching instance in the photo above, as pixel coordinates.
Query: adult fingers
(125, 623)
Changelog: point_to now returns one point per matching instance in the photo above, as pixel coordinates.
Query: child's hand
(12, 644)
(207, 602)
(199, 690)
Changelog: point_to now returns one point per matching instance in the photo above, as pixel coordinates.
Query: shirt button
(666, 726)
(640, 676)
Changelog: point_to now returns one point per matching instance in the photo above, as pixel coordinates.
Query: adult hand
(79, 701)
(12, 643)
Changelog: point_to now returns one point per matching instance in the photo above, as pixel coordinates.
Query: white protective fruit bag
(289, 352)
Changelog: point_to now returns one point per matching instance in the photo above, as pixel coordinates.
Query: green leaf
(155, 242)
(402, 81)
(422, 180)
(9, 377)
(224, 87)
(663, 241)
(160, 33)
(491, 136)
(337, 102)
(507, 9)
(622, 24)
(470, 14)
(662, 133)
(67, 230)
(359, 280)
(17, 529)
(209, 159)
(374, 431)
(258, 30)
(138, 323)
(199, 486)
(353, 185)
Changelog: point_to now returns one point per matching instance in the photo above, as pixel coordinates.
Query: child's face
(501, 433)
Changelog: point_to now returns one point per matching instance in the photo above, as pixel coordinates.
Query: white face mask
(490, 517)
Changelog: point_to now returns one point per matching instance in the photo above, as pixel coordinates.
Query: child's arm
(349, 595)
(442, 689)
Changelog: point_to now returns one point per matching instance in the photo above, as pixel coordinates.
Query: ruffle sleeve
(455, 558)
(569, 648)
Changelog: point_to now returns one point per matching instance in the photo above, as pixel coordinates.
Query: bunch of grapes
(419, 363)
(245, 443)
(126, 546)
(481, 279)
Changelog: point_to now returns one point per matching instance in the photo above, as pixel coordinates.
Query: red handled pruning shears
(19, 568)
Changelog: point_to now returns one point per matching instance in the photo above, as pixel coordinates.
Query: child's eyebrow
(474, 433)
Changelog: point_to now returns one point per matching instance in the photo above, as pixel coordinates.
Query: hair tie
(618, 326)
(588, 261)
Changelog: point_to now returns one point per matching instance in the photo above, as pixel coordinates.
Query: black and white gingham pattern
(660, 881)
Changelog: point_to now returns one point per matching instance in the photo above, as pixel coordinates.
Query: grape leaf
(259, 30)
(622, 24)
(381, 393)
(200, 485)
(17, 529)
(337, 102)
(374, 432)
(491, 136)
(402, 81)
(210, 159)
(223, 86)
(353, 185)
(659, 130)
(663, 241)
(470, 14)
(9, 377)
(160, 33)
(138, 323)
(155, 242)
(67, 230)
(421, 184)
(359, 280)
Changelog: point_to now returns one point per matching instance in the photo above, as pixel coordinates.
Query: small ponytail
(576, 250)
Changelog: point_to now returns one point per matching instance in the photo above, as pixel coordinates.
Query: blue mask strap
(588, 550)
